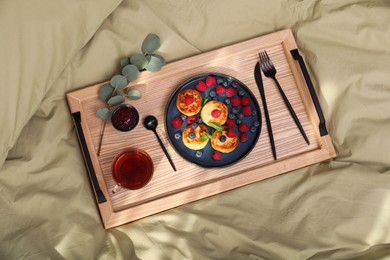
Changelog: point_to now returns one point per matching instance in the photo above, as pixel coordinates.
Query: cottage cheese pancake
(192, 137)
(189, 102)
(222, 143)
(214, 111)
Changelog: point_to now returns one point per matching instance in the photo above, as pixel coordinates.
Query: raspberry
(230, 91)
(245, 101)
(215, 113)
(235, 101)
(176, 122)
(246, 111)
(210, 81)
(243, 128)
(243, 138)
(191, 120)
(220, 90)
(201, 86)
(216, 156)
(231, 133)
(189, 100)
(229, 123)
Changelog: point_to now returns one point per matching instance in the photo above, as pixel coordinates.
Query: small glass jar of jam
(124, 117)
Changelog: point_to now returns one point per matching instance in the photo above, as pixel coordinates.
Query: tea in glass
(132, 169)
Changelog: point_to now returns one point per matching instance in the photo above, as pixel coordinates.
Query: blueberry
(234, 110)
(241, 93)
(222, 138)
(177, 135)
(183, 117)
(219, 81)
(194, 125)
(212, 93)
(240, 116)
(254, 113)
(191, 135)
(256, 124)
(232, 116)
(227, 101)
(253, 129)
(225, 84)
(238, 121)
(199, 120)
(234, 84)
(199, 154)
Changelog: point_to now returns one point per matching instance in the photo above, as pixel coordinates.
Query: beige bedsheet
(334, 210)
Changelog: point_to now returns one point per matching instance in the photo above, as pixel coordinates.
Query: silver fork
(269, 71)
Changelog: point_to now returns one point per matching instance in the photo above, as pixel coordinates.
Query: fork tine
(263, 61)
(262, 57)
(268, 59)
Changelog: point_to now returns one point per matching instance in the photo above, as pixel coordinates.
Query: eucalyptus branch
(117, 89)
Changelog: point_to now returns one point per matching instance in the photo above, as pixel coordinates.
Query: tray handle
(322, 125)
(95, 184)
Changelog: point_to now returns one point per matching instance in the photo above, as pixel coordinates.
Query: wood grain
(167, 188)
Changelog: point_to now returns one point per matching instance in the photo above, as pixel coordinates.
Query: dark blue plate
(253, 121)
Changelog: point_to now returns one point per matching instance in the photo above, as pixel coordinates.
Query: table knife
(259, 82)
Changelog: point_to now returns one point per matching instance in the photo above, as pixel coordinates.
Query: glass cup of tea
(132, 169)
(124, 117)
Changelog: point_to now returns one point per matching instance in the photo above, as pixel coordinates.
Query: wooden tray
(169, 189)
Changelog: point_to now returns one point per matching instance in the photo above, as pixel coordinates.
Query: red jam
(124, 117)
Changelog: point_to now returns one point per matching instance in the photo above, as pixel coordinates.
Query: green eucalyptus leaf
(139, 60)
(125, 61)
(118, 81)
(105, 92)
(131, 72)
(154, 64)
(163, 61)
(151, 44)
(134, 94)
(103, 113)
(116, 100)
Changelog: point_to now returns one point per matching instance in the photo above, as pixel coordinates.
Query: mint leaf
(216, 126)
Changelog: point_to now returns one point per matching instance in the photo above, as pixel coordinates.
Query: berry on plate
(243, 138)
(230, 91)
(189, 100)
(201, 86)
(176, 122)
(243, 127)
(229, 123)
(245, 101)
(210, 81)
(231, 133)
(215, 113)
(216, 156)
(191, 120)
(220, 90)
(235, 101)
(246, 111)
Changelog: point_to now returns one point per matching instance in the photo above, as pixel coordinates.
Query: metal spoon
(150, 123)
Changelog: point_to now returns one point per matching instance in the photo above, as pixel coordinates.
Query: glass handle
(116, 188)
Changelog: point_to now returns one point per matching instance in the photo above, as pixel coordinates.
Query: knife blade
(259, 83)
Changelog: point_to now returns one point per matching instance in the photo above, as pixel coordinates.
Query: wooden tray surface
(190, 182)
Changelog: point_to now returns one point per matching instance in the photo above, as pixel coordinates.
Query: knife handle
(269, 126)
(259, 83)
